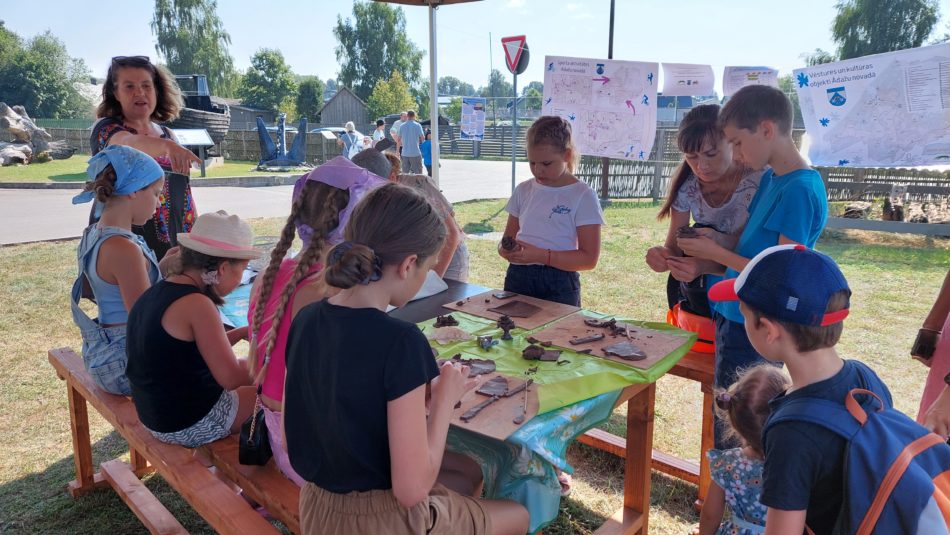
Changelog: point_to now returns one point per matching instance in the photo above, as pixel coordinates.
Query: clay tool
(518, 420)
(473, 412)
(587, 339)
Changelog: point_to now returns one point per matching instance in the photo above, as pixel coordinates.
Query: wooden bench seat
(212, 498)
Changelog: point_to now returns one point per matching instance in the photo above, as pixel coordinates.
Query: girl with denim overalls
(114, 264)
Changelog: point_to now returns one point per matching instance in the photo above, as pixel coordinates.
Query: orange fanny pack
(701, 325)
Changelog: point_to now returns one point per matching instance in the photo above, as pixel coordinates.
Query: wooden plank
(82, 444)
(495, 420)
(139, 499)
(478, 305)
(927, 229)
(624, 521)
(655, 344)
(636, 487)
(663, 462)
(265, 485)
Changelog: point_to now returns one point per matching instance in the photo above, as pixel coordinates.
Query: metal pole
(433, 99)
(514, 132)
(605, 162)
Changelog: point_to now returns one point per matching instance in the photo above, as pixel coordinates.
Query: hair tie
(724, 400)
(337, 254)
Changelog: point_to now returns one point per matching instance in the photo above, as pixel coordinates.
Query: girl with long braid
(322, 202)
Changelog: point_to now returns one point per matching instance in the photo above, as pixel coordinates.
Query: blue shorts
(103, 352)
(544, 282)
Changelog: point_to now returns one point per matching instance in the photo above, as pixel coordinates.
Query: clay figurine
(485, 342)
(625, 350)
(686, 231)
(534, 352)
(445, 321)
(475, 366)
(508, 243)
(505, 323)
(587, 339)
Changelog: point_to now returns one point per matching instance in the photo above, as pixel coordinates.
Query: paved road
(35, 215)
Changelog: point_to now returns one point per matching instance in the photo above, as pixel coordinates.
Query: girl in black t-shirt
(355, 395)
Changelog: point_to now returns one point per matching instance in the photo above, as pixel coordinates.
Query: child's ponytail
(745, 404)
(350, 264)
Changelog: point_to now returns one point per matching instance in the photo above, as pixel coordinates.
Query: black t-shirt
(172, 386)
(343, 366)
(804, 462)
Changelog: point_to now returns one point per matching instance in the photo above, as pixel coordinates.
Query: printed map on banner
(611, 104)
(886, 110)
(473, 118)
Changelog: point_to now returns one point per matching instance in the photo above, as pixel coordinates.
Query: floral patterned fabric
(740, 477)
(177, 212)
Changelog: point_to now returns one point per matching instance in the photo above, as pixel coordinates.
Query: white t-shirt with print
(548, 217)
(731, 217)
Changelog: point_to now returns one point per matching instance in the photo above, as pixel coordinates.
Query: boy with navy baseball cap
(794, 301)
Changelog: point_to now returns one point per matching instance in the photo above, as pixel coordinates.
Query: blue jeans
(544, 282)
(734, 353)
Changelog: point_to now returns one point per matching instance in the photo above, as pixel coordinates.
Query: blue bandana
(134, 170)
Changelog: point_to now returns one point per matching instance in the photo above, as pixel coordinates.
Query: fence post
(659, 158)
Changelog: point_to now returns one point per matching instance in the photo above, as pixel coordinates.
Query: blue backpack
(896, 473)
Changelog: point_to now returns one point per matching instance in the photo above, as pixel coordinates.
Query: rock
(14, 153)
(61, 150)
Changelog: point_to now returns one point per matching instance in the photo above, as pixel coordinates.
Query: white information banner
(735, 78)
(885, 110)
(687, 80)
(472, 124)
(611, 104)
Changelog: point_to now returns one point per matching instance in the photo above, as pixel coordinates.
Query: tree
(268, 83)
(498, 87)
(41, 76)
(788, 84)
(192, 40)
(390, 96)
(452, 86)
(330, 89)
(532, 99)
(864, 27)
(420, 93)
(372, 45)
(454, 110)
(818, 57)
(535, 85)
(310, 98)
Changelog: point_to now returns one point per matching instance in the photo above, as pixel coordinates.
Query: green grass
(894, 277)
(73, 169)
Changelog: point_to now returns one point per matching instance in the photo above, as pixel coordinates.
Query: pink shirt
(273, 384)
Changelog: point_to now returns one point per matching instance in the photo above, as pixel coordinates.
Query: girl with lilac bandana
(115, 265)
(322, 202)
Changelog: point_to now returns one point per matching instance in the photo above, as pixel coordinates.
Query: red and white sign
(513, 46)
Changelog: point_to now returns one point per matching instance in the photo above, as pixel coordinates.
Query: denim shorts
(215, 425)
(458, 267)
(103, 352)
(544, 282)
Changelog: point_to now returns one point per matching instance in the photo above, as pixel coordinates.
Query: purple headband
(341, 174)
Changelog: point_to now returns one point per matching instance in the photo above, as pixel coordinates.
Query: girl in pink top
(322, 202)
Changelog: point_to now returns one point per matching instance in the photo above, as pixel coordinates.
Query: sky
(725, 32)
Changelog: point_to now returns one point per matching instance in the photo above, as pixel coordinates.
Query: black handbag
(254, 444)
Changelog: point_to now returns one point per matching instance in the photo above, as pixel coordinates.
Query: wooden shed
(344, 106)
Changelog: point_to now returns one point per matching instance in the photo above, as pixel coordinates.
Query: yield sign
(513, 46)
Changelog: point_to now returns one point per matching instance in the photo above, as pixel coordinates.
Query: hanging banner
(885, 110)
(687, 80)
(472, 123)
(611, 104)
(735, 78)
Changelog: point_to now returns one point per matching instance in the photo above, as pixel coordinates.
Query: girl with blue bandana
(115, 265)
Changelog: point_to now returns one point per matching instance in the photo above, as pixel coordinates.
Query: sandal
(565, 480)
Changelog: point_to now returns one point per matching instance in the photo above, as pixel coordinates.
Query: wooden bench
(212, 498)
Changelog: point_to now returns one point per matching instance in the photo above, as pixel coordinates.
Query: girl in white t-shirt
(715, 191)
(554, 220)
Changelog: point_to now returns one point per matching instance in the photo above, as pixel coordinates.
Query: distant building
(342, 107)
(245, 117)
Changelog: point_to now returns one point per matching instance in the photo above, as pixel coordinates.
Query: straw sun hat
(221, 235)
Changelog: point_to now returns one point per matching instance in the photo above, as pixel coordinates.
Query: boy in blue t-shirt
(426, 148)
(790, 207)
(794, 301)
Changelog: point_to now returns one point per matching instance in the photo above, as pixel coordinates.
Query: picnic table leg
(706, 443)
(82, 446)
(138, 463)
(636, 491)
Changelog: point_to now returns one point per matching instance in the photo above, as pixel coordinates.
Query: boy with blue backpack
(838, 457)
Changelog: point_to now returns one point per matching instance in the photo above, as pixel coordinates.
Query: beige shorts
(377, 511)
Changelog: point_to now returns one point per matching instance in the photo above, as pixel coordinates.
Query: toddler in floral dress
(732, 505)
